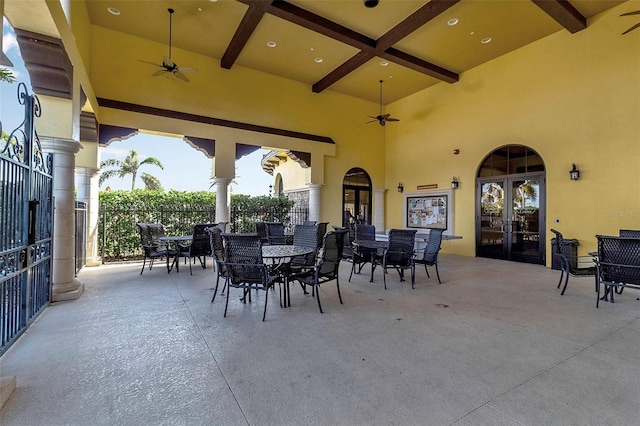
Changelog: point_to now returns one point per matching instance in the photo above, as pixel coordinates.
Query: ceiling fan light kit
(381, 118)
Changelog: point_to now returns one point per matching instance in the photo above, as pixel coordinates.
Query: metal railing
(119, 240)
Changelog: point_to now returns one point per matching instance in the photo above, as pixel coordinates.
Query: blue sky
(185, 169)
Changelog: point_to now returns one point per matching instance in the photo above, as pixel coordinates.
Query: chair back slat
(365, 232)
(630, 233)
(329, 256)
(401, 246)
(200, 242)
(243, 254)
(305, 236)
(619, 259)
(433, 246)
(275, 232)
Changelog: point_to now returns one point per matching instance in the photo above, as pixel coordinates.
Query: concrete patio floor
(495, 344)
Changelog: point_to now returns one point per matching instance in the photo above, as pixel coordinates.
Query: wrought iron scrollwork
(16, 145)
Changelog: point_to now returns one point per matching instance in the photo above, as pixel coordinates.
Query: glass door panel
(524, 223)
(492, 221)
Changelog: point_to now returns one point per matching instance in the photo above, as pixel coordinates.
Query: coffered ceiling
(342, 45)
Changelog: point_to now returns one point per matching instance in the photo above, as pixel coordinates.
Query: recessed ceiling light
(384, 63)
(213, 1)
(451, 22)
(486, 40)
(271, 43)
(312, 49)
(472, 33)
(318, 60)
(113, 11)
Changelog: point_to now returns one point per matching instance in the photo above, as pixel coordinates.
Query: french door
(510, 218)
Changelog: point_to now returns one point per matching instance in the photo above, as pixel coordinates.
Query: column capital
(314, 185)
(60, 145)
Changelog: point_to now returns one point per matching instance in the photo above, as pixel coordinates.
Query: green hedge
(178, 211)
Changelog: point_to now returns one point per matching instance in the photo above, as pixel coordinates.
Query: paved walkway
(495, 344)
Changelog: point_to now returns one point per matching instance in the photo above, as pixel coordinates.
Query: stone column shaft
(65, 286)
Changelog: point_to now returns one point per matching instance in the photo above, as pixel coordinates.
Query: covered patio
(495, 343)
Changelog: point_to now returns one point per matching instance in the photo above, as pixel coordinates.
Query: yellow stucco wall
(241, 95)
(572, 98)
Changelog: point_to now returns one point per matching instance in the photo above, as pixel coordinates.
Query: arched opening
(510, 202)
(356, 197)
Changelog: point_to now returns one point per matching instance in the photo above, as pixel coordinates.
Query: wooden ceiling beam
(564, 13)
(369, 48)
(417, 64)
(247, 26)
(414, 21)
(356, 61)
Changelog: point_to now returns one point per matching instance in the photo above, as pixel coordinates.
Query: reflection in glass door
(356, 201)
(509, 218)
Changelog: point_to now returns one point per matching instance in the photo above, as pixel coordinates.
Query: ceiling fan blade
(632, 28)
(150, 63)
(391, 119)
(157, 73)
(181, 76)
(187, 69)
(635, 12)
(385, 116)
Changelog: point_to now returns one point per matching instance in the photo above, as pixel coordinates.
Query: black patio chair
(362, 255)
(630, 233)
(200, 247)
(245, 267)
(430, 254)
(261, 230)
(275, 232)
(152, 247)
(566, 263)
(309, 222)
(324, 270)
(617, 265)
(217, 253)
(400, 255)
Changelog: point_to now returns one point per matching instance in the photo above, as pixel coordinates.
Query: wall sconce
(400, 187)
(574, 172)
(454, 183)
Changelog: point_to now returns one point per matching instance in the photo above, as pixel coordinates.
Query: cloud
(9, 42)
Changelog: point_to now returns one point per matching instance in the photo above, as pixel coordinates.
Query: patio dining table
(375, 246)
(278, 257)
(174, 240)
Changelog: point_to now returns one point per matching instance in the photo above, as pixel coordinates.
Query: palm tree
(130, 166)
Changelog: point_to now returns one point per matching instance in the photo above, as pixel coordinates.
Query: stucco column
(314, 201)
(65, 286)
(223, 199)
(378, 210)
(87, 187)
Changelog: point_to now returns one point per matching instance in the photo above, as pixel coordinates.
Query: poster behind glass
(427, 211)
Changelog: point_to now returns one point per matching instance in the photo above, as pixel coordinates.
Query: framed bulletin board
(430, 209)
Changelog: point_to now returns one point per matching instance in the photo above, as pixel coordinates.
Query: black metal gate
(26, 224)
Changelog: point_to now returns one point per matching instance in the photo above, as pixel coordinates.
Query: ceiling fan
(381, 118)
(635, 12)
(168, 66)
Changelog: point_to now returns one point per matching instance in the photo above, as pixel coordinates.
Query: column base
(95, 261)
(67, 291)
